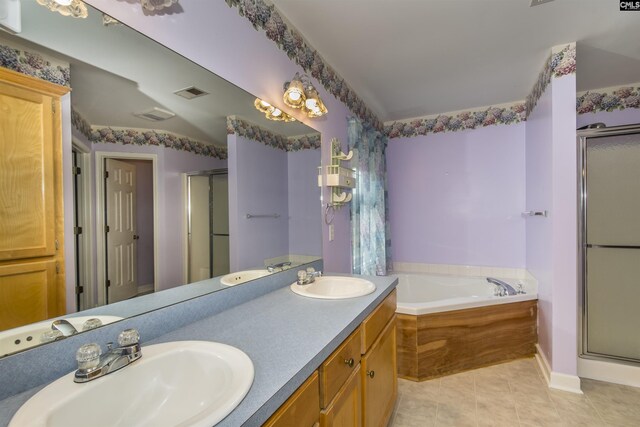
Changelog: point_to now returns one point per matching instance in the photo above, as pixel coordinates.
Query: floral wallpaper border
(240, 127)
(609, 99)
(452, 122)
(560, 63)
(266, 17)
(112, 135)
(155, 138)
(79, 122)
(35, 64)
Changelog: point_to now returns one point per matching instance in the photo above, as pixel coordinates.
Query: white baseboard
(612, 372)
(556, 380)
(143, 289)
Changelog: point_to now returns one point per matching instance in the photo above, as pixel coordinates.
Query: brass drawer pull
(349, 362)
(371, 374)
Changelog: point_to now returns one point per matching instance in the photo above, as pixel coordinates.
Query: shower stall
(609, 247)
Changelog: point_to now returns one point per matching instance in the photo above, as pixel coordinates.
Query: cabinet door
(28, 293)
(302, 409)
(345, 409)
(27, 140)
(379, 378)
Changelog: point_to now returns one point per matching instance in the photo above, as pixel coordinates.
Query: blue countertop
(286, 336)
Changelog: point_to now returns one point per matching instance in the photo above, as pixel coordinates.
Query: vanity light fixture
(271, 112)
(300, 93)
(73, 8)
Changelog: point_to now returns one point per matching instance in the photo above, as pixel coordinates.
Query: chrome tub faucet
(93, 364)
(503, 288)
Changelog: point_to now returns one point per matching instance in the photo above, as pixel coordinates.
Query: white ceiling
(409, 58)
(116, 71)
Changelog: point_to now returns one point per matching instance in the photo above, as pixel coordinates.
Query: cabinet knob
(349, 362)
(136, 237)
(371, 374)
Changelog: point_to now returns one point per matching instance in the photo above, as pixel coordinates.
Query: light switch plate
(331, 232)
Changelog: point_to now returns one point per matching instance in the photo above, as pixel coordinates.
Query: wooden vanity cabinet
(301, 409)
(379, 367)
(32, 284)
(357, 383)
(380, 379)
(346, 407)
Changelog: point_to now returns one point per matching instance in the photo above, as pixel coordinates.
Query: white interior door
(120, 205)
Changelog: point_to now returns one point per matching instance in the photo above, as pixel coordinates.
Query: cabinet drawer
(346, 409)
(376, 321)
(336, 369)
(301, 409)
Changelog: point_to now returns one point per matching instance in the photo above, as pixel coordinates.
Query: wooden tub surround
(437, 344)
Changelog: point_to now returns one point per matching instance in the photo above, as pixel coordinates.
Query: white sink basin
(242, 276)
(335, 287)
(181, 383)
(28, 336)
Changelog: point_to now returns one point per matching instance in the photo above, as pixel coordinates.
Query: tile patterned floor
(512, 394)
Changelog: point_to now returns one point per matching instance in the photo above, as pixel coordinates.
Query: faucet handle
(128, 337)
(311, 270)
(88, 356)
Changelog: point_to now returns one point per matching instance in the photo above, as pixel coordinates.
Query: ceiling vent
(539, 2)
(155, 114)
(191, 92)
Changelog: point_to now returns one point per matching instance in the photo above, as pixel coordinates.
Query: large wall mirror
(175, 184)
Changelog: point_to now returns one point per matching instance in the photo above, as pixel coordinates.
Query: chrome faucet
(66, 328)
(93, 364)
(308, 276)
(272, 267)
(503, 288)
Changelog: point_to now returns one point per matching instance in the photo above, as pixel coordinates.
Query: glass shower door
(612, 247)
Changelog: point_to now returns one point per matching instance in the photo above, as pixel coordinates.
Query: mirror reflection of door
(129, 232)
(208, 225)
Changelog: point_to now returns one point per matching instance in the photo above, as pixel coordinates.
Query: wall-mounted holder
(337, 176)
(536, 213)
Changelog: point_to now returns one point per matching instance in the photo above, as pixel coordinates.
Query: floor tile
(513, 394)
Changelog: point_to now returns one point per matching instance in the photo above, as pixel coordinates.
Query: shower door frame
(208, 173)
(583, 135)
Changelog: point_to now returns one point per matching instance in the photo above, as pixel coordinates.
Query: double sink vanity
(259, 354)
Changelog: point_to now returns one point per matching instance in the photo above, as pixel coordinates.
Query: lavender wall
(210, 34)
(144, 219)
(305, 219)
(551, 164)
(565, 224)
(628, 116)
(257, 186)
(539, 231)
(457, 198)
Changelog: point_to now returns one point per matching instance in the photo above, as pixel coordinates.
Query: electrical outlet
(331, 232)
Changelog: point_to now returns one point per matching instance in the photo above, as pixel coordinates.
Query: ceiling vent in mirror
(155, 114)
(539, 2)
(191, 92)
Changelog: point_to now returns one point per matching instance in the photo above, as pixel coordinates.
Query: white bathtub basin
(242, 276)
(28, 336)
(335, 287)
(185, 383)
